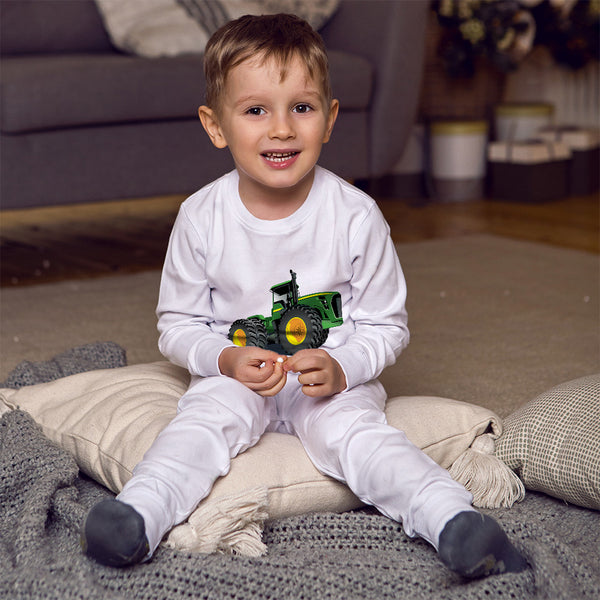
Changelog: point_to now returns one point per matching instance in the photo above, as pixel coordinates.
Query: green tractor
(295, 323)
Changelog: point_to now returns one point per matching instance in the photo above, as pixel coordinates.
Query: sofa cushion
(45, 92)
(31, 26)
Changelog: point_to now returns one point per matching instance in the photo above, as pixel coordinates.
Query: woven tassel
(492, 483)
(233, 526)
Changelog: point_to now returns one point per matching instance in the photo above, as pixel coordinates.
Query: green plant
(504, 31)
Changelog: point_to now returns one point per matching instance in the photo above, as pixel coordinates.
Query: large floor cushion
(107, 419)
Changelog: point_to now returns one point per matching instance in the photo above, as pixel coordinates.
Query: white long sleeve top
(222, 261)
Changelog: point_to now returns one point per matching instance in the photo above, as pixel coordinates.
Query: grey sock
(474, 545)
(114, 534)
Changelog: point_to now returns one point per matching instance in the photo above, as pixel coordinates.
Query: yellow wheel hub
(239, 337)
(295, 331)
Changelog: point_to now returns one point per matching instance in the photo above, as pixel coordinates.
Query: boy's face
(274, 128)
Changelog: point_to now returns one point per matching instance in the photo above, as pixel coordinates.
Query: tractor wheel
(300, 328)
(248, 332)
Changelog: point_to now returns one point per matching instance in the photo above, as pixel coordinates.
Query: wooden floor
(58, 243)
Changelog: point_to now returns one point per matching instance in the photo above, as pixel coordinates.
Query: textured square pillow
(107, 419)
(553, 442)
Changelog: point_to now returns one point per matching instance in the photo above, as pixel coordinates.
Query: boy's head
(269, 102)
(269, 37)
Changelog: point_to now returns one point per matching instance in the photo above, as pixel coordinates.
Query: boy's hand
(258, 369)
(320, 374)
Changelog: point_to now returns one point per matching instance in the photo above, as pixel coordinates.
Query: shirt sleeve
(184, 305)
(377, 305)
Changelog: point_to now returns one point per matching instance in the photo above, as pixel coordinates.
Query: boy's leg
(348, 438)
(217, 418)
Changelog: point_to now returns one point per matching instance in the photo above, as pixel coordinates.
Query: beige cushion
(553, 442)
(154, 28)
(107, 419)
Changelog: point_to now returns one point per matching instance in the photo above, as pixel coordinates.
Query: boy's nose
(281, 127)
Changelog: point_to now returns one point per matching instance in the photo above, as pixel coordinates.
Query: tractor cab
(285, 295)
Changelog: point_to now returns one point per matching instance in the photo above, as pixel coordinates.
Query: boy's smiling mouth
(280, 157)
(280, 160)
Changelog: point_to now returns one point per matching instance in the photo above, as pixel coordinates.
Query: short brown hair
(280, 36)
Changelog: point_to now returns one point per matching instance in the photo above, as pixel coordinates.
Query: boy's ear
(211, 125)
(331, 117)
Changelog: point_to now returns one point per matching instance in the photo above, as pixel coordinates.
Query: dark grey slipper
(114, 534)
(474, 545)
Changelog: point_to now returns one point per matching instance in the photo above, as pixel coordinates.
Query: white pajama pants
(345, 436)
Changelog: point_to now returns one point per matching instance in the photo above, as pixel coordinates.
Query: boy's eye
(302, 108)
(256, 111)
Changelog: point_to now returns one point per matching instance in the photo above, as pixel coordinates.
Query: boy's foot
(114, 534)
(474, 545)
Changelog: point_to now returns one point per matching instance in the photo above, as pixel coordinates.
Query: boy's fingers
(275, 383)
(273, 375)
(276, 389)
(314, 391)
(311, 378)
(302, 362)
(263, 356)
(263, 367)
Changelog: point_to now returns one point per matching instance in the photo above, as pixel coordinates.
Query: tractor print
(295, 323)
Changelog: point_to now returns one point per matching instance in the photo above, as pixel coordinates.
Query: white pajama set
(220, 265)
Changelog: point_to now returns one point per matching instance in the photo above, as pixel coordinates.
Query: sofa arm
(390, 34)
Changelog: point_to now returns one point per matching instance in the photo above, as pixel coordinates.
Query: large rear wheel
(301, 328)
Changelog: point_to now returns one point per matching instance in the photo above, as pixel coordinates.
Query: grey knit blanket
(356, 555)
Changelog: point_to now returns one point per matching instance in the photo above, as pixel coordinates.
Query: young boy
(269, 102)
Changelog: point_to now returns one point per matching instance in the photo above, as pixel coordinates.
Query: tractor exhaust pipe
(294, 289)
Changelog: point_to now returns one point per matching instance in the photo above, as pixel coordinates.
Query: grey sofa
(81, 121)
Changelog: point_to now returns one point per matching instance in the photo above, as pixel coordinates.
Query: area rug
(493, 321)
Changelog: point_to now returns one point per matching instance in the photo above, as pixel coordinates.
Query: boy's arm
(184, 305)
(377, 305)
(184, 314)
(377, 308)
